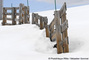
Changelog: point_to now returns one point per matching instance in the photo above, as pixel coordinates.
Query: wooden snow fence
(57, 30)
(20, 14)
(39, 20)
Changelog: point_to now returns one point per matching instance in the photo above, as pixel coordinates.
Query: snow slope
(28, 42)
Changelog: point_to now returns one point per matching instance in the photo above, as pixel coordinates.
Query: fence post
(33, 18)
(25, 15)
(47, 31)
(41, 23)
(21, 14)
(58, 32)
(46, 26)
(45, 21)
(13, 16)
(65, 35)
(28, 14)
(36, 19)
(4, 16)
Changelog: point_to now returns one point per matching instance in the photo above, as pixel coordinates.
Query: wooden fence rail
(23, 14)
(39, 20)
(57, 30)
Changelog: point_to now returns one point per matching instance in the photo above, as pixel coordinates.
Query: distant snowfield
(27, 41)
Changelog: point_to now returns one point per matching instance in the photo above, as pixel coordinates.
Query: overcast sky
(42, 5)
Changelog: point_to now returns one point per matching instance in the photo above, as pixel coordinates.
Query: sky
(43, 5)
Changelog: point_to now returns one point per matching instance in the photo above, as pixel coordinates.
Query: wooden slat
(52, 23)
(52, 29)
(17, 13)
(8, 13)
(9, 19)
(16, 8)
(64, 25)
(11, 13)
(63, 9)
(53, 36)
(10, 8)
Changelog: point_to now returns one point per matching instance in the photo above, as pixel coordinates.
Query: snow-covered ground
(28, 42)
